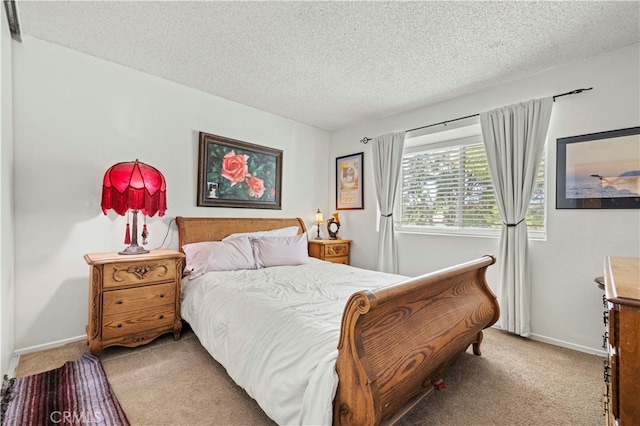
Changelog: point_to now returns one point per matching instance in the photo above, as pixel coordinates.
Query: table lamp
(319, 220)
(136, 187)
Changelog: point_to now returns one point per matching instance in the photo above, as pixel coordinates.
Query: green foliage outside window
(451, 187)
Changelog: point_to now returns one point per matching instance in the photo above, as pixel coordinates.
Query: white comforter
(276, 331)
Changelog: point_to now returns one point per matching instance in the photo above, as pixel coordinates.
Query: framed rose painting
(233, 173)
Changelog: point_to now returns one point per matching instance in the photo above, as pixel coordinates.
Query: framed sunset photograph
(233, 173)
(599, 170)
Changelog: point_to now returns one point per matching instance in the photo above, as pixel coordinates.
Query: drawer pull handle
(119, 302)
(162, 295)
(161, 316)
(119, 325)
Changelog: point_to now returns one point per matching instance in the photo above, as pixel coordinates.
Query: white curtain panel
(387, 161)
(514, 138)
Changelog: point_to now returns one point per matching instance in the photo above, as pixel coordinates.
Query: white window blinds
(449, 188)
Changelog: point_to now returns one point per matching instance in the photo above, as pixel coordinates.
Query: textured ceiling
(330, 64)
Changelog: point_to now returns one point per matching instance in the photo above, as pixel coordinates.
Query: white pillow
(289, 231)
(218, 256)
(280, 251)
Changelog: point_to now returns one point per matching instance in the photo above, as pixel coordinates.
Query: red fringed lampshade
(134, 186)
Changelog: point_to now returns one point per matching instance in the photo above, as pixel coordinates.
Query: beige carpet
(516, 382)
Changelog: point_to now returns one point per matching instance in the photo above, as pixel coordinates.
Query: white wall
(566, 305)
(75, 116)
(7, 302)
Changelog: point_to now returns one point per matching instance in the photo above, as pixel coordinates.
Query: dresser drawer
(133, 322)
(336, 250)
(141, 272)
(135, 299)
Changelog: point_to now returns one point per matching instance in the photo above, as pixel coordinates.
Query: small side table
(133, 298)
(336, 251)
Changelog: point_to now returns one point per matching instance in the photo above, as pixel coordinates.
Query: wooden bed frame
(396, 342)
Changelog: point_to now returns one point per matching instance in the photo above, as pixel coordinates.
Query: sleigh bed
(383, 342)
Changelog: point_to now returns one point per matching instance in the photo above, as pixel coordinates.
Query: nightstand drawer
(135, 299)
(133, 322)
(342, 259)
(341, 249)
(141, 272)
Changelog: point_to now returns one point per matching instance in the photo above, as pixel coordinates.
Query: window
(446, 187)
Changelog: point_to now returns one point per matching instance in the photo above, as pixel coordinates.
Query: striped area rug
(75, 394)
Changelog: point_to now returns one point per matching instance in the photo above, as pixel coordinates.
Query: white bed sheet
(276, 331)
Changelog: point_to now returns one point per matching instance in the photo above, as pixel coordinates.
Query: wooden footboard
(397, 342)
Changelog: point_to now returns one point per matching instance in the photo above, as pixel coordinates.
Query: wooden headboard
(199, 229)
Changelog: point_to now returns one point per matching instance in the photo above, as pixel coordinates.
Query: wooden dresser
(133, 298)
(622, 317)
(336, 251)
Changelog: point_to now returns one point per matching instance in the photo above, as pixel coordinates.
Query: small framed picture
(233, 173)
(350, 182)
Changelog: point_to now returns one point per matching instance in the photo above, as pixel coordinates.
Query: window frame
(464, 232)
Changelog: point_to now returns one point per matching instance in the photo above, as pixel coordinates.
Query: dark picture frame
(350, 182)
(599, 170)
(233, 173)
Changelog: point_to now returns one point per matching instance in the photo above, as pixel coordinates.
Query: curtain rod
(573, 92)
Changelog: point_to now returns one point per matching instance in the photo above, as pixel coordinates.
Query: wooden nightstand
(133, 298)
(336, 251)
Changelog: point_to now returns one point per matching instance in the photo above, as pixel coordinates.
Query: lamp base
(134, 249)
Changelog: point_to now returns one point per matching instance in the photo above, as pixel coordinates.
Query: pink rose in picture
(234, 167)
(256, 185)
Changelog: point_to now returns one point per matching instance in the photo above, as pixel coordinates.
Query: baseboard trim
(49, 345)
(537, 337)
(567, 345)
(13, 364)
